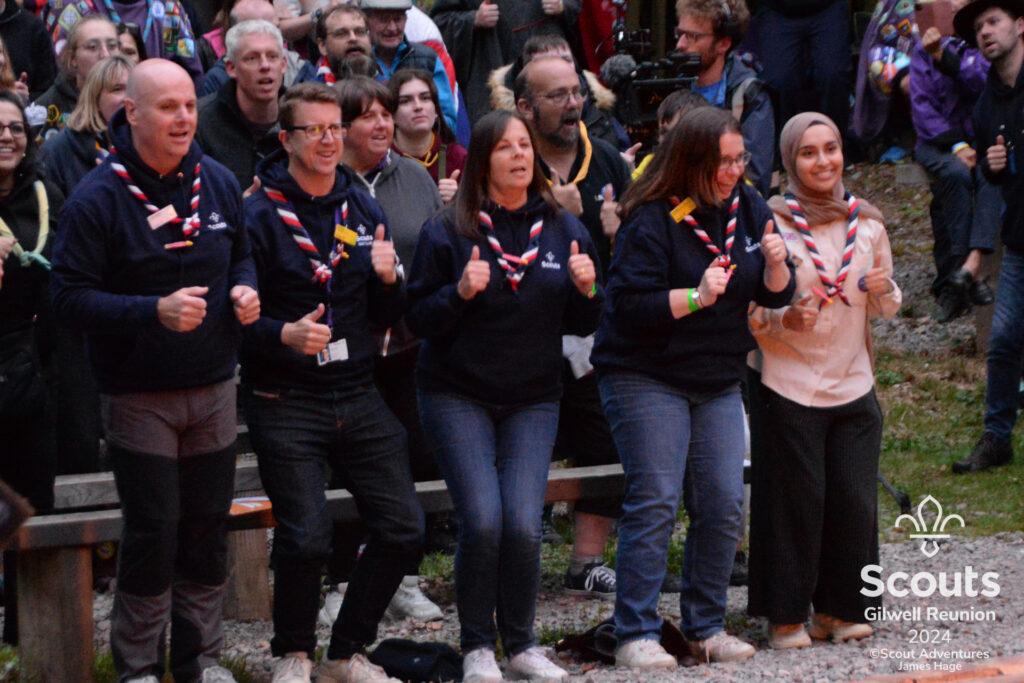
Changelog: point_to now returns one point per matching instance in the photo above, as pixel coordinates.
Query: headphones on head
(728, 27)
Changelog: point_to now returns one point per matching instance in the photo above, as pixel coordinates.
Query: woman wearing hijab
(814, 506)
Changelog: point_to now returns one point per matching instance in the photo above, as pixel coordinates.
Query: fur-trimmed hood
(502, 97)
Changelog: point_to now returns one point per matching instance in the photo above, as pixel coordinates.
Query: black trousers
(814, 509)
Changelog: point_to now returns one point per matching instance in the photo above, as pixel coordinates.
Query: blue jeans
(295, 434)
(495, 460)
(965, 211)
(661, 433)
(1005, 348)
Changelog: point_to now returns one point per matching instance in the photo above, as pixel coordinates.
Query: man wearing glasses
(344, 42)
(386, 21)
(329, 276)
(711, 29)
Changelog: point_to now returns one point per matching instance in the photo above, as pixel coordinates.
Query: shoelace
(600, 573)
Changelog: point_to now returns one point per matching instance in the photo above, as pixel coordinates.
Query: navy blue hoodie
(360, 303)
(703, 352)
(110, 268)
(500, 347)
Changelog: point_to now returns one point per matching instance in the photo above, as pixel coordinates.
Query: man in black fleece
(997, 28)
(152, 262)
(29, 47)
(329, 278)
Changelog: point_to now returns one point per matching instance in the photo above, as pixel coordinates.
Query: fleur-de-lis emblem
(549, 256)
(929, 539)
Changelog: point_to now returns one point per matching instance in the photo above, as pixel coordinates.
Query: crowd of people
(427, 244)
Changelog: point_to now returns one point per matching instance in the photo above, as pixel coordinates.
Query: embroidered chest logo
(550, 262)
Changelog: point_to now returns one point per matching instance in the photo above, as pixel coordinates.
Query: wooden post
(983, 314)
(247, 594)
(55, 614)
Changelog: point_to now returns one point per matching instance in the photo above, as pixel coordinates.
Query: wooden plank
(55, 614)
(247, 594)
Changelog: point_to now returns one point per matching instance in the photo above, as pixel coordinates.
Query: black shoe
(953, 302)
(672, 583)
(595, 581)
(987, 453)
(980, 293)
(548, 533)
(740, 572)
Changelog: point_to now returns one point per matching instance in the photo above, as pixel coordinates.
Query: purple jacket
(942, 95)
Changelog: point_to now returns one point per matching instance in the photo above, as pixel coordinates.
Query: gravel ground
(927, 641)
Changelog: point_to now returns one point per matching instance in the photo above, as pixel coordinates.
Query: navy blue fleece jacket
(110, 268)
(502, 347)
(359, 303)
(703, 352)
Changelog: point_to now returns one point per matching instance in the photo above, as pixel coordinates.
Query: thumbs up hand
(306, 335)
(581, 270)
(21, 86)
(610, 220)
(449, 186)
(996, 155)
(568, 196)
(876, 280)
(772, 246)
(486, 15)
(800, 317)
(475, 276)
(382, 256)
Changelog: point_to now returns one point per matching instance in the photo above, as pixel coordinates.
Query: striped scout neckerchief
(514, 266)
(832, 287)
(189, 226)
(322, 272)
(724, 257)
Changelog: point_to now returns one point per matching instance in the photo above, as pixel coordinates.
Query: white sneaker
(478, 666)
(332, 605)
(409, 601)
(644, 654)
(143, 679)
(294, 667)
(217, 674)
(358, 669)
(533, 665)
(721, 647)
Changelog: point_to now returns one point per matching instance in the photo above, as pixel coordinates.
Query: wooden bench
(55, 569)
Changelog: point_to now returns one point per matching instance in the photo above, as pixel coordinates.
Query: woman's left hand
(876, 280)
(581, 270)
(772, 246)
(382, 256)
(449, 186)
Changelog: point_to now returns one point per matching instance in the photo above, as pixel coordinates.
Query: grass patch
(933, 416)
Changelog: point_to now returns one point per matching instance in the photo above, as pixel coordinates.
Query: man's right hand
(568, 196)
(931, 41)
(306, 335)
(996, 155)
(486, 15)
(184, 310)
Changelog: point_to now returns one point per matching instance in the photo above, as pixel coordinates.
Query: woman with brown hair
(696, 246)
(497, 279)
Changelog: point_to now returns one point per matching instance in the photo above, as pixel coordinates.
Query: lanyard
(832, 287)
(101, 153)
(514, 266)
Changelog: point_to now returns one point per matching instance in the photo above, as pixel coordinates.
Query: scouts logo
(550, 262)
(929, 537)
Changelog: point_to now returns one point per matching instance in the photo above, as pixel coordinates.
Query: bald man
(152, 262)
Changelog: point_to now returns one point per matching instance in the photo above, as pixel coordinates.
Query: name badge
(162, 217)
(345, 236)
(335, 351)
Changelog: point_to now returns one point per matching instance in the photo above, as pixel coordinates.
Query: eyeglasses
(95, 45)
(385, 17)
(17, 129)
(691, 36)
(728, 162)
(318, 131)
(560, 98)
(357, 32)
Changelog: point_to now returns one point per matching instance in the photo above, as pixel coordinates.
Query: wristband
(959, 146)
(693, 298)
(593, 291)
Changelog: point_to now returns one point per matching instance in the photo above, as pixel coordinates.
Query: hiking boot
(217, 674)
(332, 605)
(644, 654)
(672, 583)
(824, 627)
(740, 570)
(533, 665)
(953, 302)
(980, 293)
(478, 666)
(410, 602)
(294, 667)
(721, 647)
(358, 669)
(788, 636)
(987, 453)
(595, 581)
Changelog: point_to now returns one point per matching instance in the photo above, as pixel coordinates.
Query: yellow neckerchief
(588, 153)
(44, 231)
(427, 159)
